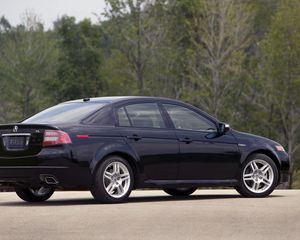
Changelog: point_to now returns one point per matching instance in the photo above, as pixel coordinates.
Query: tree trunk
(139, 63)
(26, 103)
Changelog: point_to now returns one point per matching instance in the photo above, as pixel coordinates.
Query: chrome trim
(33, 167)
(242, 145)
(51, 180)
(15, 134)
(15, 129)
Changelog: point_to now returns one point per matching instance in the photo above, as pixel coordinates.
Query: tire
(113, 181)
(35, 194)
(180, 191)
(258, 176)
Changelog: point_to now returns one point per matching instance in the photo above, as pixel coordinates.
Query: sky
(50, 10)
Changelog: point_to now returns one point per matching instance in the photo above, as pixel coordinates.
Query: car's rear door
(147, 132)
(204, 154)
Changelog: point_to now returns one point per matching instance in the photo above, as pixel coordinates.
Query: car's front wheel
(35, 194)
(113, 181)
(258, 176)
(180, 191)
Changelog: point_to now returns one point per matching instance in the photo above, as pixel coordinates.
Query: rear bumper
(56, 163)
(40, 176)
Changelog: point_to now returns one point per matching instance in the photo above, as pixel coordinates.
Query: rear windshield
(65, 113)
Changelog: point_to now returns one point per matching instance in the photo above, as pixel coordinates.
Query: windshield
(65, 113)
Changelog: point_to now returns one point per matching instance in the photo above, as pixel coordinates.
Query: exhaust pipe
(49, 179)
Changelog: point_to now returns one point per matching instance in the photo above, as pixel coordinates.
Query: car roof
(115, 99)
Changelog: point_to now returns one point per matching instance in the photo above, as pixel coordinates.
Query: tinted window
(123, 118)
(184, 118)
(143, 115)
(103, 117)
(66, 112)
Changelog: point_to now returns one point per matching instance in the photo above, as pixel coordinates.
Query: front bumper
(284, 177)
(284, 167)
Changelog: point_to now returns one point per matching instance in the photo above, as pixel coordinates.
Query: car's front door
(145, 130)
(204, 154)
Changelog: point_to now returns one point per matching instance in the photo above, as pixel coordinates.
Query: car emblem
(15, 129)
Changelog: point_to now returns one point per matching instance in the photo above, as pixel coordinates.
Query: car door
(146, 131)
(204, 154)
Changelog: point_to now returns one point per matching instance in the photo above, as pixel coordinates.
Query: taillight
(55, 137)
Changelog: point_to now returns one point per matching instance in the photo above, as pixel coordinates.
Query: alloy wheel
(39, 192)
(258, 176)
(116, 179)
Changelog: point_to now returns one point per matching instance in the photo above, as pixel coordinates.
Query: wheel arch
(268, 153)
(128, 157)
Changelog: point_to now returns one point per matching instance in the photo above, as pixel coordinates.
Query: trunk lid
(21, 140)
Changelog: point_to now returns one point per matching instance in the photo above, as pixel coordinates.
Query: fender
(249, 144)
(267, 150)
(120, 147)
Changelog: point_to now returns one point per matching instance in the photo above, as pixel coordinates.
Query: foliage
(80, 59)
(27, 61)
(220, 33)
(239, 60)
(281, 75)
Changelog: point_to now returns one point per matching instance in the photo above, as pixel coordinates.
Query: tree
(247, 114)
(220, 33)
(280, 79)
(80, 60)
(137, 31)
(27, 61)
(168, 66)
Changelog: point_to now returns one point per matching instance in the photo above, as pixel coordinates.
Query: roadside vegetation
(238, 60)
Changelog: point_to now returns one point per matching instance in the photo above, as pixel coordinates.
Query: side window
(144, 115)
(184, 118)
(122, 117)
(103, 117)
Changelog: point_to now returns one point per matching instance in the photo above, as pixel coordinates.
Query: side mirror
(223, 128)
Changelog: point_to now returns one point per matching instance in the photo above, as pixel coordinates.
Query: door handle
(185, 139)
(134, 137)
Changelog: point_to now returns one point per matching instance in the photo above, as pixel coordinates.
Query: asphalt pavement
(207, 214)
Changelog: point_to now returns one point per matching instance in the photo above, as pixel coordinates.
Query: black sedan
(112, 145)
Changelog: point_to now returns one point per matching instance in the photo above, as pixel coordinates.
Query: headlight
(279, 148)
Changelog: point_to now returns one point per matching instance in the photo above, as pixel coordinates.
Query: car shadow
(133, 199)
(138, 199)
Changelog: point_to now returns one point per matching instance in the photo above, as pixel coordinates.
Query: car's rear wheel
(258, 176)
(35, 194)
(113, 181)
(180, 191)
